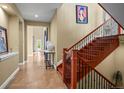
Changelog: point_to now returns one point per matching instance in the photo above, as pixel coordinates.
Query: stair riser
(93, 54)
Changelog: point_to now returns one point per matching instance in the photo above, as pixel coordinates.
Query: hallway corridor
(33, 75)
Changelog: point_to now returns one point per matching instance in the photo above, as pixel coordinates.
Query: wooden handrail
(71, 83)
(89, 34)
(95, 70)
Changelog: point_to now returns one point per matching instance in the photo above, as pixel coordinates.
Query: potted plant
(117, 77)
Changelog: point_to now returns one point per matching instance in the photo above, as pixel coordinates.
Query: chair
(49, 58)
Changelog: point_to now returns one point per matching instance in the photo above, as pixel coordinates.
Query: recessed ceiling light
(4, 6)
(36, 16)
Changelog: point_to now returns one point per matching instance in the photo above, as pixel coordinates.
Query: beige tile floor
(33, 75)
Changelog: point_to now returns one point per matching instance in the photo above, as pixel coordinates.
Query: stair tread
(92, 54)
(88, 60)
(87, 54)
(89, 50)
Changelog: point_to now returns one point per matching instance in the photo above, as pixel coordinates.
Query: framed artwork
(3, 40)
(81, 14)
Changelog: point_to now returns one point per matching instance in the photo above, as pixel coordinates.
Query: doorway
(37, 37)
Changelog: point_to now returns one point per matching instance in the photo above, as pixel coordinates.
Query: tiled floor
(33, 75)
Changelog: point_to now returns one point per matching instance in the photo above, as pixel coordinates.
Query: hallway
(33, 75)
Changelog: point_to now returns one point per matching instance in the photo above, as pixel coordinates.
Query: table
(49, 58)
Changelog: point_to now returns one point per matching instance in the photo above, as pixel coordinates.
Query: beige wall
(120, 59)
(113, 63)
(53, 34)
(7, 67)
(21, 43)
(108, 66)
(13, 38)
(68, 31)
(10, 19)
(11, 24)
(4, 18)
(30, 41)
(13, 11)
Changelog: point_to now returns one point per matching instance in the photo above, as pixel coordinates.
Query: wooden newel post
(74, 70)
(64, 63)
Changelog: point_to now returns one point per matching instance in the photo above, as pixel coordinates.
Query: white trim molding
(55, 67)
(8, 55)
(22, 63)
(9, 79)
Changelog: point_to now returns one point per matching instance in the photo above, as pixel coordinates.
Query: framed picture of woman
(81, 14)
(3, 40)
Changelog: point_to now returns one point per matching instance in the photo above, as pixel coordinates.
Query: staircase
(79, 61)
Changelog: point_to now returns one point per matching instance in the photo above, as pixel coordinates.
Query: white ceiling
(45, 11)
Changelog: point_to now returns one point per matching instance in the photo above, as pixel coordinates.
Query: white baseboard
(59, 62)
(9, 79)
(55, 67)
(22, 63)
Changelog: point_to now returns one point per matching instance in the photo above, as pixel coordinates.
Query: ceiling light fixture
(4, 6)
(36, 16)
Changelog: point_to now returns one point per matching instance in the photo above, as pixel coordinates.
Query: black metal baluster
(91, 78)
(99, 82)
(111, 86)
(82, 74)
(102, 83)
(79, 72)
(78, 79)
(85, 77)
(88, 76)
(106, 84)
(94, 79)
